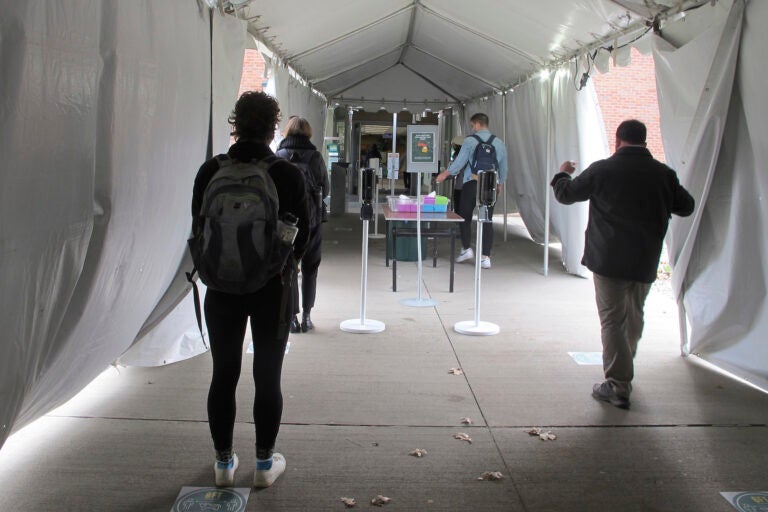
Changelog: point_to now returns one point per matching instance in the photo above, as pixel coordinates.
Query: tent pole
(350, 113)
(546, 176)
(394, 149)
(685, 346)
(504, 137)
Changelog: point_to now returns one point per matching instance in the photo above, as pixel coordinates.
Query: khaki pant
(620, 306)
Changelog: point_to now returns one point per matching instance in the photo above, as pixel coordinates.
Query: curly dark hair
(255, 116)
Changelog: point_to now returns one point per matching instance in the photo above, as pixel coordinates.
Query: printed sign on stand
(212, 498)
(393, 165)
(423, 145)
(422, 148)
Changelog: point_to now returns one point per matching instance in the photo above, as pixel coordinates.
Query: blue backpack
(484, 158)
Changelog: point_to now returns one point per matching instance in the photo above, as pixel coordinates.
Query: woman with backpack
(231, 301)
(297, 149)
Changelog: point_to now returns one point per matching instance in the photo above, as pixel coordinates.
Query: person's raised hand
(568, 167)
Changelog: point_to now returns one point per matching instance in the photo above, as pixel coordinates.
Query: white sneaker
(225, 472)
(465, 254)
(265, 478)
(485, 262)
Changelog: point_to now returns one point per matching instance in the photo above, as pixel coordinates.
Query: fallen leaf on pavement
(466, 421)
(544, 436)
(456, 371)
(418, 452)
(461, 436)
(491, 475)
(349, 502)
(380, 500)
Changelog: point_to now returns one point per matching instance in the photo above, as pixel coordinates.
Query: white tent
(108, 108)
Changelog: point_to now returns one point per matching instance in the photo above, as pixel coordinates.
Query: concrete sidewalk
(356, 405)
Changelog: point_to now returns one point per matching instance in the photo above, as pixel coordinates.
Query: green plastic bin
(407, 250)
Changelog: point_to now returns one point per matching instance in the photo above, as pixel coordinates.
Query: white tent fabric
(296, 99)
(577, 134)
(105, 109)
(465, 48)
(393, 88)
(171, 333)
(714, 121)
(102, 132)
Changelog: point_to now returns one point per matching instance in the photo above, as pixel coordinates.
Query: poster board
(423, 148)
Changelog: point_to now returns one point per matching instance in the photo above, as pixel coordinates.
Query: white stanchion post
(376, 235)
(418, 302)
(476, 327)
(478, 267)
(487, 186)
(363, 325)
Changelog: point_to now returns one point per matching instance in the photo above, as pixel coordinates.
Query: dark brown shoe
(604, 391)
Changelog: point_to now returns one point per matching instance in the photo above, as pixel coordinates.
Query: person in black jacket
(254, 120)
(631, 199)
(296, 147)
(372, 153)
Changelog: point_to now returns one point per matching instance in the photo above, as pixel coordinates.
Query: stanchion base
(419, 303)
(355, 326)
(470, 328)
(377, 236)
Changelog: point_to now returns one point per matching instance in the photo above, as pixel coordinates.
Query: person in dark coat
(296, 147)
(254, 120)
(458, 183)
(631, 199)
(372, 153)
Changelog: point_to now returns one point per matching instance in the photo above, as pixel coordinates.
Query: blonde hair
(298, 126)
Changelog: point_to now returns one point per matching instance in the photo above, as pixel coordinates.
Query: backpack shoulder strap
(490, 139)
(266, 164)
(477, 137)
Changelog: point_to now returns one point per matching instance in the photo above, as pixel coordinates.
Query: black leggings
(310, 263)
(226, 316)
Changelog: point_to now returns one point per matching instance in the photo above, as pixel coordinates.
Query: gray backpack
(238, 248)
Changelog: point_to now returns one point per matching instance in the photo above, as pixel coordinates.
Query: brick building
(630, 92)
(253, 78)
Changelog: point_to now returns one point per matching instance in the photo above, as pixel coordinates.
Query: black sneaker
(606, 392)
(295, 326)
